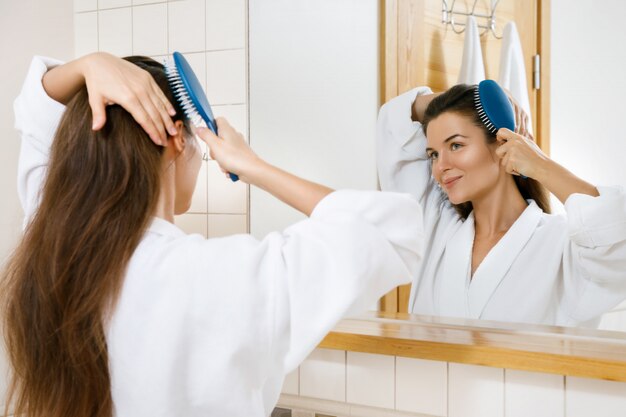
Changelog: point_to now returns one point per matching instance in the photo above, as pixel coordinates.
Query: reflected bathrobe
(550, 269)
(210, 327)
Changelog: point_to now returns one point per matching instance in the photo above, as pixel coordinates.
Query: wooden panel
(548, 349)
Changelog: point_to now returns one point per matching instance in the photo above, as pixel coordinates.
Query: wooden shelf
(548, 349)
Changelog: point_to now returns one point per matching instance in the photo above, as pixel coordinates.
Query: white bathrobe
(562, 270)
(210, 327)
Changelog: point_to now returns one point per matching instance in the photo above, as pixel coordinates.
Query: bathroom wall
(340, 383)
(313, 96)
(27, 28)
(212, 35)
(587, 97)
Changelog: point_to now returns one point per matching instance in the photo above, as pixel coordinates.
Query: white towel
(512, 71)
(472, 67)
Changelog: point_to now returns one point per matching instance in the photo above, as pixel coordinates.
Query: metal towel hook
(486, 21)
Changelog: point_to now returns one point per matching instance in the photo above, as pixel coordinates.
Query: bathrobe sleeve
(594, 263)
(403, 164)
(36, 118)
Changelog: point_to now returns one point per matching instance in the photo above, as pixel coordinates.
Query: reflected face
(187, 168)
(463, 163)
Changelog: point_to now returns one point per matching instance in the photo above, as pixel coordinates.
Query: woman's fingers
(98, 111)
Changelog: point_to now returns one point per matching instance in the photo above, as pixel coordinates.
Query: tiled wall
(213, 37)
(340, 383)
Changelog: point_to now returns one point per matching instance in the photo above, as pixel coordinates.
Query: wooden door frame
(397, 299)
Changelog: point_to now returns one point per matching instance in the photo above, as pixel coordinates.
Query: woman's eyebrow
(448, 139)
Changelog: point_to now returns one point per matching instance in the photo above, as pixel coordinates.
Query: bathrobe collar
(461, 297)
(162, 227)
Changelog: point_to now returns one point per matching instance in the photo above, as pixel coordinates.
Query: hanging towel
(512, 71)
(472, 67)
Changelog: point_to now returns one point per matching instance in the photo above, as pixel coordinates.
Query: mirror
(314, 93)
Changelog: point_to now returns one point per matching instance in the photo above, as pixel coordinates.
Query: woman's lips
(449, 182)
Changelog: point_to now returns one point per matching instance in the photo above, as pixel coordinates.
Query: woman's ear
(178, 141)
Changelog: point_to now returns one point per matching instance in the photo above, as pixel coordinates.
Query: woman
(110, 309)
(493, 250)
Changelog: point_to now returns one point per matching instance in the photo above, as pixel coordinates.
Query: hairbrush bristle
(181, 94)
(481, 113)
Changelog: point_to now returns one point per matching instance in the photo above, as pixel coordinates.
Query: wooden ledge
(547, 349)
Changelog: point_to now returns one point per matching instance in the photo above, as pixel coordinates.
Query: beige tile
(224, 195)
(594, 397)
(370, 380)
(533, 394)
(199, 201)
(227, 224)
(186, 26)
(192, 223)
(85, 33)
(226, 24)
(422, 386)
(85, 5)
(139, 2)
(109, 4)
(292, 382)
(475, 391)
(115, 31)
(226, 77)
(236, 115)
(150, 29)
(323, 375)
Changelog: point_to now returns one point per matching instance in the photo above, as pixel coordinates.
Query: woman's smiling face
(463, 163)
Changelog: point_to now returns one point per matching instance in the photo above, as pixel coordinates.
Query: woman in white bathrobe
(492, 252)
(110, 309)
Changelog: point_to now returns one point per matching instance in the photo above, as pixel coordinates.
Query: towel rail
(486, 21)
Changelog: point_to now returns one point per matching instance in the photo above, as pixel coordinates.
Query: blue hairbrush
(494, 108)
(188, 91)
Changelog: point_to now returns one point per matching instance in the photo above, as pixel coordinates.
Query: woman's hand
(519, 155)
(522, 121)
(111, 80)
(230, 150)
(233, 154)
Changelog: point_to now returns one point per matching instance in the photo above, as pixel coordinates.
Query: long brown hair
(63, 279)
(460, 100)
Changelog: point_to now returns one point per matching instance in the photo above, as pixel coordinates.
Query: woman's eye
(455, 146)
(432, 156)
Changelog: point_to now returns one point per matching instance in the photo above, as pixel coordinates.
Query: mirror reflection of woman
(110, 309)
(493, 251)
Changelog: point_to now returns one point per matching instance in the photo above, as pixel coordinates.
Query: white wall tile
(422, 386)
(227, 224)
(475, 391)
(291, 385)
(85, 33)
(85, 5)
(192, 223)
(226, 77)
(199, 201)
(370, 380)
(226, 196)
(236, 115)
(115, 31)
(150, 29)
(186, 26)
(594, 398)
(323, 375)
(139, 2)
(533, 394)
(226, 24)
(108, 4)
